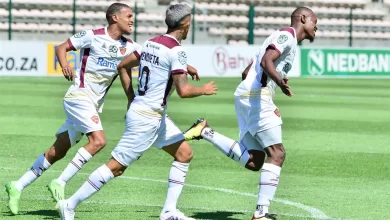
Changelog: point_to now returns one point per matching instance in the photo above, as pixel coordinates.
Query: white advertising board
(22, 58)
(227, 60)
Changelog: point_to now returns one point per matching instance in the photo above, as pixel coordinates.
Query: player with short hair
(101, 51)
(162, 64)
(258, 118)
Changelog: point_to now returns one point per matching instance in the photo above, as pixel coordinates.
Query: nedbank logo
(316, 62)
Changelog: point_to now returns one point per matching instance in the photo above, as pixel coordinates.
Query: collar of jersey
(295, 34)
(167, 35)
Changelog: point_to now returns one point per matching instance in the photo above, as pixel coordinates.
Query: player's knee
(98, 141)
(184, 156)
(277, 154)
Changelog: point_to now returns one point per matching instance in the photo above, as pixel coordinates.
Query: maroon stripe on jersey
(108, 88)
(263, 80)
(83, 66)
(288, 29)
(166, 41)
(137, 55)
(100, 31)
(167, 90)
(71, 45)
(179, 71)
(273, 47)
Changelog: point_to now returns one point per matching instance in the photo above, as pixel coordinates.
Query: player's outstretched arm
(124, 70)
(193, 73)
(67, 70)
(186, 90)
(267, 63)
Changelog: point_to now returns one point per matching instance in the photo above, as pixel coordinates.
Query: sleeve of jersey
(137, 50)
(281, 42)
(178, 60)
(80, 40)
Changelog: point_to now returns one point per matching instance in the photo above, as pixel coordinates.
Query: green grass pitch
(335, 131)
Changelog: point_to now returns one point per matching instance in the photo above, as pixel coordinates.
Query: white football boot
(174, 215)
(64, 211)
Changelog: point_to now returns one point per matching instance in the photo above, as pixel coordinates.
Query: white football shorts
(259, 122)
(82, 118)
(144, 129)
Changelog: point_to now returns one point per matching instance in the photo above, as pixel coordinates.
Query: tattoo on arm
(181, 80)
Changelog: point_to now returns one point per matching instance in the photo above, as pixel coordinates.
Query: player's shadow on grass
(216, 215)
(48, 214)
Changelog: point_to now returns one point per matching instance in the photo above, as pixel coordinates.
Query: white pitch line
(46, 198)
(314, 213)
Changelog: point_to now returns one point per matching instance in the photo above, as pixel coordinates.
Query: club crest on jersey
(80, 34)
(277, 113)
(95, 119)
(113, 51)
(122, 50)
(182, 56)
(282, 38)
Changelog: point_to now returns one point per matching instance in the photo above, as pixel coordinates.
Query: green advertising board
(345, 62)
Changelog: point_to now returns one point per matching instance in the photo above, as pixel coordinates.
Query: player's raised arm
(193, 73)
(124, 70)
(78, 41)
(186, 90)
(281, 44)
(61, 51)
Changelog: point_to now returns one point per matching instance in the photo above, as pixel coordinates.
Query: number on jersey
(143, 79)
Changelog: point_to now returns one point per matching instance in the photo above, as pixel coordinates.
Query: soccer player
(163, 62)
(258, 118)
(101, 52)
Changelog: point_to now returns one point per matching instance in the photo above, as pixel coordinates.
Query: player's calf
(256, 160)
(59, 148)
(116, 168)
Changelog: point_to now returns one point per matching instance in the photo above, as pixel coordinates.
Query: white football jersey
(257, 82)
(160, 58)
(100, 56)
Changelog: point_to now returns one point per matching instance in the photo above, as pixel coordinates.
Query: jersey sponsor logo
(103, 62)
(80, 34)
(282, 38)
(151, 58)
(113, 51)
(182, 56)
(153, 46)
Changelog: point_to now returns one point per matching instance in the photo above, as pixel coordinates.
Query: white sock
(177, 176)
(39, 166)
(229, 147)
(94, 183)
(269, 180)
(82, 157)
